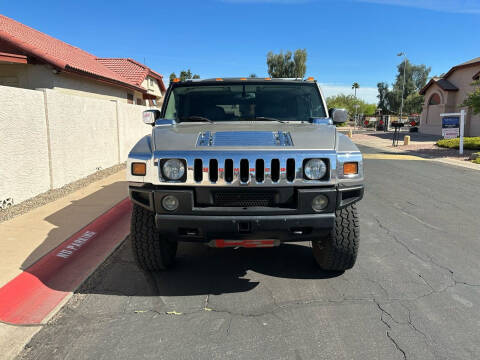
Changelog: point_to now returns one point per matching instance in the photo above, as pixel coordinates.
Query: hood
(244, 135)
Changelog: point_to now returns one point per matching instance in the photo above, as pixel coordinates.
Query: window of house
(435, 100)
(130, 98)
(151, 81)
(139, 102)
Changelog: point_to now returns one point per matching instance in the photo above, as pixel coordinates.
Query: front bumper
(280, 227)
(195, 222)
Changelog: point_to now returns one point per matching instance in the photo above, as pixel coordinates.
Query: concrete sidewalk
(28, 237)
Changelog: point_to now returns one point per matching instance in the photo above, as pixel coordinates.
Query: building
(445, 94)
(31, 59)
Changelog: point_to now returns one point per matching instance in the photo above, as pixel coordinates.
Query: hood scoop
(244, 138)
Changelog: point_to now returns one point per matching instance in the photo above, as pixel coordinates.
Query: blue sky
(346, 40)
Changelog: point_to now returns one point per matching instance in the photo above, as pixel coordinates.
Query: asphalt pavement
(413, 294)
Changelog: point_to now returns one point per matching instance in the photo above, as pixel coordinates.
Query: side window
(130, 98)
(171, 112)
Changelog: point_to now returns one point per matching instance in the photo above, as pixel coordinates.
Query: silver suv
(245, 162)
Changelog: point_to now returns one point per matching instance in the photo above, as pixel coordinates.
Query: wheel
(338, 250)
(151, 250)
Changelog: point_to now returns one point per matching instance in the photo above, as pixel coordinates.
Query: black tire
(151, 250)
(338, 250)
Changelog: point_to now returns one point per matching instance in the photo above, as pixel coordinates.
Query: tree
(348, 102)
(473, 98)
(184, 75)
(355, 86)
(252, 75)
(415, 79)
(284, 66)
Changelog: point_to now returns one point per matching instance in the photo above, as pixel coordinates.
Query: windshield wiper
(195, 118)
(266, 118)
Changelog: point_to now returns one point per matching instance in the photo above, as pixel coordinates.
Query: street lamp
(403, 86)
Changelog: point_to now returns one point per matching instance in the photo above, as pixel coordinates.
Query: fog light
(170, 203)
(319, 202)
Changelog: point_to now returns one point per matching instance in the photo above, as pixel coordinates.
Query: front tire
(338, 250)
(151, 250)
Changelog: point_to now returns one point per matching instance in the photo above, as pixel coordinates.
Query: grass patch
(471, 143)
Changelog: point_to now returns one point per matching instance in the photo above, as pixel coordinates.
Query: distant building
(444, 95)
(31, 59)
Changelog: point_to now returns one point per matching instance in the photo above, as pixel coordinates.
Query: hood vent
(244, 138)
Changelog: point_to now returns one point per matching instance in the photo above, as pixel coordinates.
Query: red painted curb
(30, 297)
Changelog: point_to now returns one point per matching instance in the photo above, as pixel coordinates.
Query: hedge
(471, 143)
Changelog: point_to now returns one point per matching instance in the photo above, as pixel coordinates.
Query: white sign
(450, 133)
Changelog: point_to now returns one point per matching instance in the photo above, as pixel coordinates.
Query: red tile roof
(66, 57)
(131, 70)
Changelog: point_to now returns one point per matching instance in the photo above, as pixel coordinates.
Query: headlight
(315, 169)
(173, 169)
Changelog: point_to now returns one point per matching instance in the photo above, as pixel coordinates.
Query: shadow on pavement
(201, 270)
(75, 216)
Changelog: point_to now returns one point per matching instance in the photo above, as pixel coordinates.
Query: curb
(36, 294)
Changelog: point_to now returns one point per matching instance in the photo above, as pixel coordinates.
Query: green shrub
(471, 143)
(476, 161)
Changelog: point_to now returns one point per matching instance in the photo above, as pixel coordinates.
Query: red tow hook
(221, 243)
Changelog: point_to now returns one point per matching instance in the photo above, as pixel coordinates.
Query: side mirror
(338, 115)
(149, 116)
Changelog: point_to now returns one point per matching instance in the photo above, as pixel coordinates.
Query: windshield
(284, 102)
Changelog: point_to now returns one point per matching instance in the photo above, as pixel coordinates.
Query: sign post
(453, 126)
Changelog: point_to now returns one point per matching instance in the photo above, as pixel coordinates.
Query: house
(445, 94)
(31, 59)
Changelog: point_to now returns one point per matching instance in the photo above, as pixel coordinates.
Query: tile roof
(131, 70)
(443, 83)
(31, 42)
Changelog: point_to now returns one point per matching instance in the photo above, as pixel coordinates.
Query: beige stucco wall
(83, 136)
(131, 127)
(430, 119)
(24, 169)
(50, 138)
(42, 76)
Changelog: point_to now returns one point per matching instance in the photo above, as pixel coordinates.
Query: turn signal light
(350, 168)
(139, 169)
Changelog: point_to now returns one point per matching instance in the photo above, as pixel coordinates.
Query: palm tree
(355, 86)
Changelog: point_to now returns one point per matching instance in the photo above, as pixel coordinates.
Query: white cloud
(367, 94)
(451, 6)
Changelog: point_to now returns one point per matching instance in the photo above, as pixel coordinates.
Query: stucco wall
(82, 136)
(430, 119)
(130, 127)
(24, 169)
(50, 138)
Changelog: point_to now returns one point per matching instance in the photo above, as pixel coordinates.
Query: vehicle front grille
(246, 168)
(247, 171)
(244, 199)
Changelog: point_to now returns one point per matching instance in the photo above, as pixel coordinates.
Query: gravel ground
(52, 195)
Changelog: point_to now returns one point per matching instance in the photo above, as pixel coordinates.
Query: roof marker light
(310, 78)
(268, 78)
(219, 79)
(243, 78)
(176, 80)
